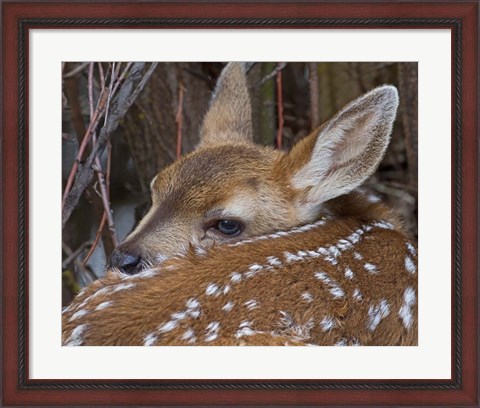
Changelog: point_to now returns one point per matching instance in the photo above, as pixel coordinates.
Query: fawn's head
(230, 188)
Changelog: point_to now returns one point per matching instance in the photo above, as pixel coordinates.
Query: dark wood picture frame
(460, 17)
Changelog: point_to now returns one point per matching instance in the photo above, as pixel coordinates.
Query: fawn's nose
(125, 262)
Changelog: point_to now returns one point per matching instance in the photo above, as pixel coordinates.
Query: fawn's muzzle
(125, 262)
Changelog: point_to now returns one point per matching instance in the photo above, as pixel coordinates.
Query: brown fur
(151, 303)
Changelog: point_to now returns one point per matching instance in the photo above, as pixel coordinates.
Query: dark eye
(229, 227)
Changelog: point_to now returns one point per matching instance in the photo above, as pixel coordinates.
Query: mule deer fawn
(246, 245)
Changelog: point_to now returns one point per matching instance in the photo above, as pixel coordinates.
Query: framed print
(146, 70)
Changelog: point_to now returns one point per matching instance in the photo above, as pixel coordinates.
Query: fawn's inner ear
(229, 117)
(345, 151)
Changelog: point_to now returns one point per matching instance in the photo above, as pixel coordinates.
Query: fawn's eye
(229, 227)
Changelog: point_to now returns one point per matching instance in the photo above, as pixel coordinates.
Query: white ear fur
(229, 117)
(347, 150)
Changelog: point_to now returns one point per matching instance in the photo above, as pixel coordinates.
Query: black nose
(127, 263)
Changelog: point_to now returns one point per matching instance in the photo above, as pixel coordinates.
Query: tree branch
(128, 92)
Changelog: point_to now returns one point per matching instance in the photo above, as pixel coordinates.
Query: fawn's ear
(229, 117)
(345, 151)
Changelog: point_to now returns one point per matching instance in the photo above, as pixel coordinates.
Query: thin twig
(97, 238)
(76, 70)
(104, 214)
(127, 94)
(249, 66)
(102, 75)
(179, 120)
(314, 94)
(91, 127)
(106, 206)
(278, 68)
(110, 91)
(71, 255)
(123, 75)
(109, 166)
(90, 89)
(279, 107)
(94, 121)
(98, 167)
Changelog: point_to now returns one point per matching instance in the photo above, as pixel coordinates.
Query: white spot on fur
(274, 261)
(212, 331)
(123, 286)
(104, 305)
(253, 269)
(212, 289)
(189, 335)
(280, 234)
(405, 311)
(82, 292)
(76, 338)
(236, 277)
(411, 249)
(376, 314)
(244, 329)
(148, 273)
(307, 296)
(355, 237)
(334, 251)
(194, 313)
(66, 309)
(251, 304)
(313, 254)
(357, 295)
(327, 324)
(169, 326)
(343, 245)
(348, 273)
(383, 225)
(289, 257)
(357, 256)
(100, 292)
(370, 267)
(226, 289)
(327, 256)
(334, 289)
(149, 339)
(342, 342)
(179, 315)
(193, 303)
(410, 265)
(78, 314)
(228, 306)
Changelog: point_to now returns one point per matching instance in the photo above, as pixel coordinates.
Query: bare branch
(272, 74)
(127, 93)
(178, 120)
(72, 255)
(279, 105)
(76, 70)
(314, 94)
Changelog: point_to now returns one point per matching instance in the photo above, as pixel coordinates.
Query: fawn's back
(248, 245)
